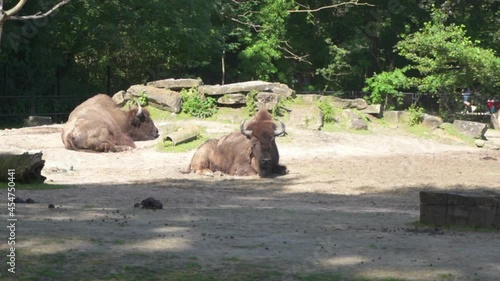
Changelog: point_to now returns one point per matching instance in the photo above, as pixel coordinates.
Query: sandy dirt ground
(348, 207)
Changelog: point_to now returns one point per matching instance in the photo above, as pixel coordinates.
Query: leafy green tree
(385, 88)
(446, 59)
(338, 66)
(258, 59)
(12, 13)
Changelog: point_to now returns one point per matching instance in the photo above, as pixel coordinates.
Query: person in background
(467, 101)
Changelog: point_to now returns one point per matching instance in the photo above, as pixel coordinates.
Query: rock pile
(165, 94)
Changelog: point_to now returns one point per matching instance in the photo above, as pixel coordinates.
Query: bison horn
(247, 133)
(139, 110)
(280, 132)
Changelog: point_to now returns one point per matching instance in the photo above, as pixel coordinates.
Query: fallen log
(26, 165)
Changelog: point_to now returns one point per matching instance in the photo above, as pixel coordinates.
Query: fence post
(108, 79)
(4, 78)
(58, 83)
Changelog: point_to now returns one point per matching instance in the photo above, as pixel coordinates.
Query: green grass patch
(33, 186)
(232, 259)
(161, 115)
(418, 130)
(119, 242)
(78, 265)
(450, 130)
(167, 146)
(320, 277)
(339, 277)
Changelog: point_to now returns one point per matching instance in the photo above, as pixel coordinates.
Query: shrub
(143, 99)
(415, 114)
(327, 109)
(251, 105)
(195, 104)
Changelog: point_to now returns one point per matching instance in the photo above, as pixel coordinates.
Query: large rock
(354, 119)
(396, 116)
(306, 117)
(34, 121)
(431, 121)
(358, 124)
(350, 115)
(176, 84)
(266, 100)
(345, 103)
(161, 98)
(495, 120)
(472, 129)
(121, 97)
(282, 90)
(309, 98)
(232, 99)
(373, 109)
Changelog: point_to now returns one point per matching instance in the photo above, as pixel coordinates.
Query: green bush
(415, 115)
(251, 105)
(195, 104)
(143, 99)
(328, 110)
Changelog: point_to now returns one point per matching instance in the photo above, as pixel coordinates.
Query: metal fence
(14, 109)
(35, 90)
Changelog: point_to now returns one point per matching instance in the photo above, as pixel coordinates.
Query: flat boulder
(159, 97)
(358, 103)
(245, 87)
(266, 100)
(232, 99)
(472, 129)
(176, 84)
(431, 121)
(396, 116)
(34, 121)
(121, 97)
(373, 109)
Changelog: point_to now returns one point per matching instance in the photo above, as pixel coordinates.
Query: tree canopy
(427, 46)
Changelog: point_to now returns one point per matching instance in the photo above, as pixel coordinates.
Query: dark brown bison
(252, 151)
(99, 125)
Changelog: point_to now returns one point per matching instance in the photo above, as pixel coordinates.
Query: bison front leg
(280, 170)
(201, 163)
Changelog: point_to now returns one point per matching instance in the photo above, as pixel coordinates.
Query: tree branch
(294, 56)
(39, 15)
(256, 27)
(16, 8)
(352, 2)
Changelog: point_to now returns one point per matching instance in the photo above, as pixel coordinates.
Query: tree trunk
(27, 166)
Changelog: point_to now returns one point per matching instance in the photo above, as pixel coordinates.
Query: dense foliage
(88, 46)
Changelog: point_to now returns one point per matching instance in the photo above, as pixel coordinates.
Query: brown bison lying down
(98, 124)
(252, 151)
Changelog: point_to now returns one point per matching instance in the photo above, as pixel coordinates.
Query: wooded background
(384, 47)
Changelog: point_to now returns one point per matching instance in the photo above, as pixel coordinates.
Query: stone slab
(460, 209)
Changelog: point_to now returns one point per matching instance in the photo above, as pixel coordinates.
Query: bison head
(261, 134)
(142, 126)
